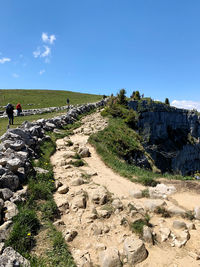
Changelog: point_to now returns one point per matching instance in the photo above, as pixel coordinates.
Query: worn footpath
(98, 207)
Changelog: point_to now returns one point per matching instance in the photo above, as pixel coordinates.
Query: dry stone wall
(18, 146)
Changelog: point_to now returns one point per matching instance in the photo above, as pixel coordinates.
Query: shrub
(167, 101)
(131, 119)
(121, 97)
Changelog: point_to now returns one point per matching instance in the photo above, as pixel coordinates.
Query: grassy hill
(31, 99)
(40, 99)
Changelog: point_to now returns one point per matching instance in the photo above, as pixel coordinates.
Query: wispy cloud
(4, 60)
(186, 104)
(15, 75)
(41, 72)
(37, 52)
(46, 52)
(48, 39)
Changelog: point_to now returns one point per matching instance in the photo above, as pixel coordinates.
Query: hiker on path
(9, 112)
(19, 109)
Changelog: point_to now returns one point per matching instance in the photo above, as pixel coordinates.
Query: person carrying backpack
(9, 112)
(19, 109)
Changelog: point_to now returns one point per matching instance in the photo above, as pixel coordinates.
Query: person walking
(9, 112)
(19, 109)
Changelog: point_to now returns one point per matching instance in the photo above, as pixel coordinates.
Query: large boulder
(110, 258)
(13, 164)
(6, 193)
(10, 181)
(11, 258)
(135, 250)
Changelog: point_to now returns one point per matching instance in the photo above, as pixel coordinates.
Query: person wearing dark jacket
(9, 112)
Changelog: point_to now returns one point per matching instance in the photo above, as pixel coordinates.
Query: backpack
(9, 109)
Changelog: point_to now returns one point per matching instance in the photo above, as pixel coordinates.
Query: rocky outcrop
(171, 136)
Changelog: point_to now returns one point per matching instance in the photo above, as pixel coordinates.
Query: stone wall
(17, 147)
(28, 112)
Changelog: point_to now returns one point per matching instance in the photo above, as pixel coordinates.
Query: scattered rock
(151, 205)
(84, 152)
(136, 193)
(147, 234)
(197, 213)
(179, 225)
(110, 258)
(161, 191)
(135, 250)
(63, 189)
(70, 235)
(77, 181)
(164, 233)
(40, 170)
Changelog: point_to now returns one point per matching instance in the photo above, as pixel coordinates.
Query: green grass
(115, 143)
(26, 225)
(44, 98)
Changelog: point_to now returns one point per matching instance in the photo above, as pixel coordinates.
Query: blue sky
(101, 46)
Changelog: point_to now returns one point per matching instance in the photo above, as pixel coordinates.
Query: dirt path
(97, 206)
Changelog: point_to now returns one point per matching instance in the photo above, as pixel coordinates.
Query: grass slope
(117, 141)
(40, 99)
(44, 98)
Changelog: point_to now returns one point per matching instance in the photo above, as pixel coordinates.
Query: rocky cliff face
(171, 136)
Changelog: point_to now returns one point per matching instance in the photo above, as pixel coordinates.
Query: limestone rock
(79, 202)
(63, 189)
(40, 170)
(147, 234)
(6, 193)
(179, 225)
(84, 152)
(161, 191)
(99, 195)
(77, 181)
(110, 258)
(13, 164)
(165, 233)
(11, 210)
(70, 235)
(175, 210)
(5, 230)
(151, 205)
(117, 204)
(135, 250)
(136, 193)
(197, 213)
(12, 258)
(10, 181)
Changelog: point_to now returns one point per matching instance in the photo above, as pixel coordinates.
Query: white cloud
(48, 39)
(186, 104)
(15, 75)
(46, 52)
(41, 72)
(37, 52)
(4, 59)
